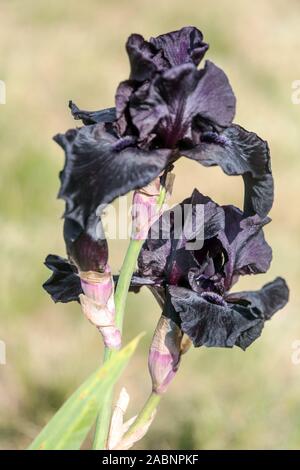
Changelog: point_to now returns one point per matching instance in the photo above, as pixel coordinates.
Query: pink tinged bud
(146, 208)
(165, 353)
(98, 305)
(97, 286)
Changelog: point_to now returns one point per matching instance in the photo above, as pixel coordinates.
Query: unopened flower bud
(147, 208)
(88, 248)
(98, 305)
(165, 353)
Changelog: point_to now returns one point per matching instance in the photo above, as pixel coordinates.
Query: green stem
(144, 415)
(103, 419)
(126, 273)
(127, 270)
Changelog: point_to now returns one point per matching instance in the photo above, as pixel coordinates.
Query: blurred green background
(51, 52)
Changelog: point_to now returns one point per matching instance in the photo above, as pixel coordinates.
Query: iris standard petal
(239, 152)
(181, 47)
(64, 284)
(245, 244)
(165, 254)
(144, 59)
(174, 98)
(100, 167)
(163, 52)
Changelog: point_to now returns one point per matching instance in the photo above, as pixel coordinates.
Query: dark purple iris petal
(268, 300)
(167, 107)
(64, 283)
(165, 51)
(164, 254)
(122, 98)
(181, 47)
(100, 167)
(239, 152)
(222, 245)
(145, 60)
(210, 321)
(245, 245)
(92, 117)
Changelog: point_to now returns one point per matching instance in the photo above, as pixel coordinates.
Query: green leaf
(70, 425)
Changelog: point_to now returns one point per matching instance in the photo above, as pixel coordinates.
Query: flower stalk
(127, 270)
(143, 419)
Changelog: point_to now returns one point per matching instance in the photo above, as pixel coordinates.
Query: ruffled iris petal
(245, 244)
(209, 324)
(211, 321)
(181, 47)
(164, 254)
(100, 167)
(64, 284)
(268, 300)
(167, 107)
(239, 152)
(165, 51)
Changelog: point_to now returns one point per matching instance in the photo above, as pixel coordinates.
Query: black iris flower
(193, 286)
(166, 109)
(173, 104)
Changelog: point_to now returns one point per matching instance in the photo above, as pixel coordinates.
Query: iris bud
(98, 305)
(165, 354)
(147, 208)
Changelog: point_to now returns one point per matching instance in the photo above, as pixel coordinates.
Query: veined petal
(174, 98)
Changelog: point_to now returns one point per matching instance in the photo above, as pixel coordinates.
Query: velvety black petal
(168, 252)
(165, 51)
(174, 98)
(239, 152)
(92, 117)
(144, 59)
(181, 47)
(153, 259)
(122, 98)
(202, 221)
(268, 300)
(245, 244)
(64, 284)
(210, 219)
(210, 321)
(100, 167)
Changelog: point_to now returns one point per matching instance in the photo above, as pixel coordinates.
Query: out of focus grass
(53, 51)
